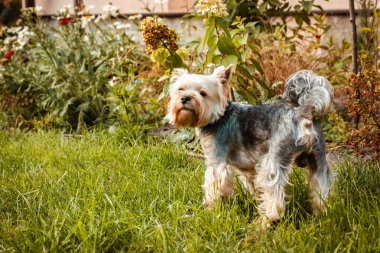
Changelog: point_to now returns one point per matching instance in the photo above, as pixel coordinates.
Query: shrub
(364, 100)
(261, 48)
(67, 68)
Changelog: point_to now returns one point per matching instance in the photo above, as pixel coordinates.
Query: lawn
(108, 192)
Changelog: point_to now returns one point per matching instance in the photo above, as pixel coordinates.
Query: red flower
(318, 36)
(65, 21)
(9, 54)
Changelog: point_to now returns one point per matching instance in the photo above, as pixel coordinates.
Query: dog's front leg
(218, 183)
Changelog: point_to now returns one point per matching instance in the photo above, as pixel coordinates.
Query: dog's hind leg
(319, 180)
(319, 173)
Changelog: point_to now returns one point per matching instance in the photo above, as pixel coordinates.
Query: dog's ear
(176, 73)
(223, 75)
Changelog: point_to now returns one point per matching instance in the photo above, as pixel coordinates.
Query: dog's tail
(308, 90)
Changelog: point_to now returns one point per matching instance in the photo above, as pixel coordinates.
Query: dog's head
(198, 100)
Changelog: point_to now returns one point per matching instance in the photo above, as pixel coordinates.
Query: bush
(364, 100)
(260, 48)
(70, 70)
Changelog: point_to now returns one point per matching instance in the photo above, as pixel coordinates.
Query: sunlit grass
(101, 192)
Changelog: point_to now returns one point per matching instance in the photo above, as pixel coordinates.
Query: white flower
(98, 19)
(86, 10)
(85, 20)
(120, 26)
(8, 40)
(215, 7)
(14, 29)
(111, 10)
(38, 8)
(23, 37)
(113, 81)
(65, 8)
(133, 17)
(65, 11)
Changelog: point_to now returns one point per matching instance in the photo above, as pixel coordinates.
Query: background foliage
(81, 71)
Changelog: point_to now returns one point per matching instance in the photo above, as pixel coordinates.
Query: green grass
(106, 193)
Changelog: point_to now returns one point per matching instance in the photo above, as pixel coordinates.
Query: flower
(120, 26)
(160, 1)
(18, 37)
(86, 10)
(38, 8)
(85, 20)
(111, 10)
(215, 7)
(9, 54)
(65, 8)
(8, 40)
(113, 81)
(65, 21)
(23, 37)
(156, 34)
(133, 17)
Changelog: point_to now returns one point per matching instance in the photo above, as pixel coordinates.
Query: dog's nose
(185, 99)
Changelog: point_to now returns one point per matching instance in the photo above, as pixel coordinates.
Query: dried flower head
(156, 34)
(215, 7)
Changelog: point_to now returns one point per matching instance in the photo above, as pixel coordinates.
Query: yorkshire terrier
(258, 143)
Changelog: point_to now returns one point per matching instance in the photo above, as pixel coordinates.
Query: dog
(258, 143)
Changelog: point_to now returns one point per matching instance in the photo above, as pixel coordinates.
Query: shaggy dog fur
(258, 143)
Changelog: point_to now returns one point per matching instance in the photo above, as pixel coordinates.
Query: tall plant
(232, 39)
(68, 68)
(365, 86)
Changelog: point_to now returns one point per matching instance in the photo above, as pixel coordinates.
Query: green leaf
(307, 5)
(257, 66)
(211, 42)
(209, 32)
(165, 92)
(230, 59)
(226, 46)
(240, 69)
(216, 59)
(176, 61)
(244, 39)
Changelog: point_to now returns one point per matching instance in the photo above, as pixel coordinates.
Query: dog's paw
(263, 223)
(208, 204)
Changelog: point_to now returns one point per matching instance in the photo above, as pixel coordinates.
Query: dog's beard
(186, 117)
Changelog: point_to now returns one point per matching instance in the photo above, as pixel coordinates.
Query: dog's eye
(180, 89)
(203, 94)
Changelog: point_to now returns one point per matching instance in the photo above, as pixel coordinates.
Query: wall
(50, 7)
